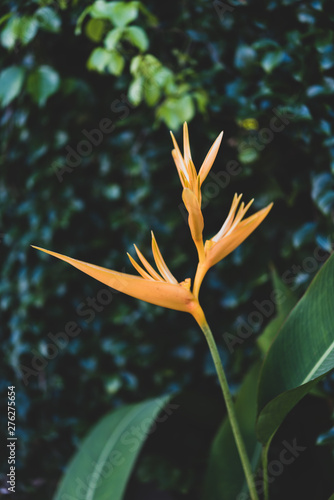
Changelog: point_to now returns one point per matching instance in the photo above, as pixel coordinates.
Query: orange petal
(196, 222)
(140, 270)
(241, 213)
(179, 167)
(161, 264)
(229, 219)
(179, 162)
(186, 145)
(159, 293)
(148, 266)
(210, 158)
(192, 174)
(228, 243)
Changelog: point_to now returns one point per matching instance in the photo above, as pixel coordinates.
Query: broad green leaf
(124, 13)
(271, 60)
(224, 478)
(174, 111)
(102, 466)
(285, 300)
(327, 438)
(19, 29)
(244, 56)
(248, 155)
(152, 93)
(99, 59)
(304, 234)
(135, 64)
(95, 29)
(42, 83)
(48, 19)
(137, 37)
(102, 10)
(120, 14)
(135, 92)
(164, 78)
(331, 497)
(9, 33)
(28, 28)
(11, 80)
(102, 59)
(201, 99)
(301, 354)
(116, 63)
(113, 38)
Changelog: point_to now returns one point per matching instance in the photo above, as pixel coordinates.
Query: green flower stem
(265, 472)
(230, 411)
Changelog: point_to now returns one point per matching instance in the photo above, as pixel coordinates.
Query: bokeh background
(262, 72)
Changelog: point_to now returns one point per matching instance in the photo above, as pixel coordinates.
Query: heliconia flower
(192, 182)
(160, 289)
(184, 164)
(232, 233)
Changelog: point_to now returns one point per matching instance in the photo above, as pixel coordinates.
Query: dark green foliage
(261, 71)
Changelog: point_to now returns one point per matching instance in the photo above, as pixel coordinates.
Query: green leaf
(113, 38)
(202, 99)
(285, 300)
(248, 154)
(95, 29)
(137, 37)
(116, 63)
(151, 93)
(299, 112)
(331, 497)
(135, 92)
(124, 13)
(42, 83)
(11, 80)
(301, 354)
(120, 14)
(98, 60)
(271, 60)
(135, 64)
(224, 476)
(326, 438)
(19, 29)
(101, 60)
(48, 19)
(174, 111)
(101, 468)
(28, 28)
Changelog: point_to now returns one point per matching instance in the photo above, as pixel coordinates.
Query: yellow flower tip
(210, 158)
(186, 145)
(160, 263)
(234, 232)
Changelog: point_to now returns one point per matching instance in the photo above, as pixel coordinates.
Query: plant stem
(230, 410)
(265, 472)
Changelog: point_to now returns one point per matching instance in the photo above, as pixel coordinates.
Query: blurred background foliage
(118, 75)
